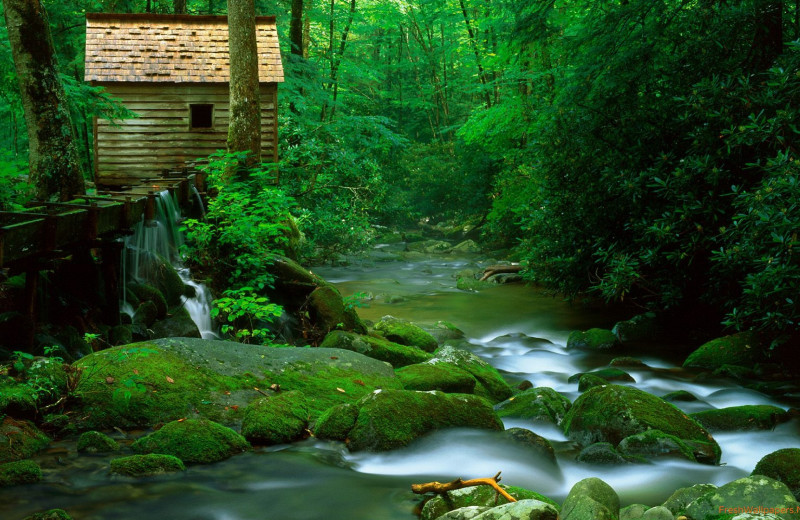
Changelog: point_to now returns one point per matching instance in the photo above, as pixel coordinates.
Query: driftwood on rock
(442, 488)
(492, 270)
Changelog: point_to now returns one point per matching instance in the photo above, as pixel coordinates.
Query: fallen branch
(497, 269)
(440, 489)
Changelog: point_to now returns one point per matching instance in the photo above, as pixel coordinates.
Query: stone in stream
(279, 419)
(590, 499)
(477, 496)
(377, 348)
(593, 339)
(536, 404)
(178, 325)
(19, 472)
(640, 328)
(654, 444)
(742, 349)
(607, 374)
(532, 442)
(744, 495)
(152, 464)
(682, 497)
(611, 413)
(741, 418)
(784, 466)
(603, 453)
(444, 377)
(405, 333)
(193, 441)
(20, 440)
(588, 381)
(96, 442)
(490, 384)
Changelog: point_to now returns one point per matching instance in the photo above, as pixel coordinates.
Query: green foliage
(14, 188)
(242, 312)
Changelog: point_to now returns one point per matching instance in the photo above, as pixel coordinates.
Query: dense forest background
(636, 150)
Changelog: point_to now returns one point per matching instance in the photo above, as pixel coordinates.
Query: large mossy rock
(391, 419)
(152, 382)
(193, 441)
(536, 404)
(19, 472)
(681, 498)
(654, 444)
(96, 442)
(279, 419)
(741, 418)
(444, 377)
(742, 349)
(640, 328)
(149, 465)
(377, 348)
(477, 496)
(147, 293)
(783, 466)
(606, 374)
(593, 339)
(405, 333)
(328, 311)
(178, 325)
(746, 493)
(20, 440)
(490, 384)
(17, 400)
(590, 499)
(603, 453)
(532, 442)
(612, 412)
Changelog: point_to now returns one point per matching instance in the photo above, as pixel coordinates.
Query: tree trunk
(768, 37)
(473, 42)
(244, 130)
(53, 154)
(179, 6)
(296, 27)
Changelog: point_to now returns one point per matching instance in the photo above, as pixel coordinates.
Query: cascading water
(159, 240)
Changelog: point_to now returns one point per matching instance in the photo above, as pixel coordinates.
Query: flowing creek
(518, 330)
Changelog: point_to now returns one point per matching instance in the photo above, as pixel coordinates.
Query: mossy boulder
(147, 293)
(18, 400)
(746, 493)
(278, 419)
(643, 327)
(52, 514)
(591, 498)
(19, 472)
(679, 395)
(328, 311)
(607, 374)
(377, 348)
(166, 279)
(336, 422)
(405, 333)
(654, 444)
(444, 377)
(529, 509)
(532, 442)
(193, 441)
(470, 284)
(783, 466)
(443, 331)
(152, 382)
(490, 384)
(610, 413)
(627, 361)
(149, 465)
(391, 419)
(588, 381)
(741, 418)
(593, 339)
(603, 453)
(536, 404)
(477, 496)
(743, 349)
(681, 498)
(178, 325)
(20, 440)
(146, 314)
(96, 442)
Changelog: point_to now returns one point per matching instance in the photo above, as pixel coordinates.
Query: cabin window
(201, 116)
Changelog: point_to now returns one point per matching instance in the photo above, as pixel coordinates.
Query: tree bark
(473, 42)
(244, 130)
(768, 37)
(296, 27)
(53, 154)
(179, 6)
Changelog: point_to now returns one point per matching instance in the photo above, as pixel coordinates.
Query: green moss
(608, 374)
(391, 419)
(783, 466)
(627, 361)
(336, 422)
(592, 339)
(405, 333)
(742, 349)
(655, 444)
(96, 442)
(679, 395)
(377, 348)
(278, 419)
(465, 283)
(532, 442)
(538, 404)
(146, 465)
(610, 413)
(444, 377)
(193, 440)
(52, 514)
(179, 324)
(477, 496)
(328, 311)
(741, 418)
(20, 440)
(20, 472)
(588, 381)
(17, 399)
(643, 327)
(168, 281)
(604, 453)
(148, 293)
(490, 384)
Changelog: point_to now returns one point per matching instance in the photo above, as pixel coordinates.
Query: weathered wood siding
(160, 138)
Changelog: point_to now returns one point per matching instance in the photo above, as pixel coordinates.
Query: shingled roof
(171, 48)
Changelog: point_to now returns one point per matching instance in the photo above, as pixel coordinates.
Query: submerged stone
(602, 453)
(149, 465)
(741, 418)
(96, 442)
(592, 339)
(193, 441)
(537, 404)
(405, 333)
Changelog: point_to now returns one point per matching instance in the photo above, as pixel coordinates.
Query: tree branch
(440, 489)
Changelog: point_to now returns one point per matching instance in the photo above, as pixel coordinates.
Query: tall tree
(244, 128)
(179, 6)
(54, 158)
(296, 27)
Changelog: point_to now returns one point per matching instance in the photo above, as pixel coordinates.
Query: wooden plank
(22, 240)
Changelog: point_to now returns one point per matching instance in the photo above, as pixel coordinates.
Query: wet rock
(633, 512)
(467, 246)
(166, 279)
(430, 246)
(121, 334)
(627, 361)
(20, 440)
(589, 499)
(532, 441)
(444, 377)
(391, 419)
(608, 374)
(96, 442)
(679, 395)
(52, 514)
(743, 349)
(681, 498)
(735, 372)
(588, 381)
(149, 465)
(147, 293)
(602, 453)
(146, 314)
(464, 513)
(741, 418)
(405, 333)
(537, 404)
(443, 331)
(279, 419)
(179, 325)
(336, 422)
(643, 327)
(743, 495)
(377, 348)
(477, 496)
(654, 444)
(193, 441)
(592, 339)
(19, 472)
(328, 312)
(528, 509)
(18, 400)
(658, 513)
(610, 413)
(504, 278)
(490, 384)
(783, 466)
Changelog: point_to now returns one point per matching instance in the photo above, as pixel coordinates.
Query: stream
(517, 329)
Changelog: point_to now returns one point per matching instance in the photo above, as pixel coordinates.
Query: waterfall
(159, 240)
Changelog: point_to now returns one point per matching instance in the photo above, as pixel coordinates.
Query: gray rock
(481, 496)
(681, 498)
(464, 513)
(532, 441)
(590, 499)
(521, 510)
(179, 325)
(658, 513)
(633, 512)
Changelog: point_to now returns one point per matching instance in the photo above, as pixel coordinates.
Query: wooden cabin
(173, 71)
